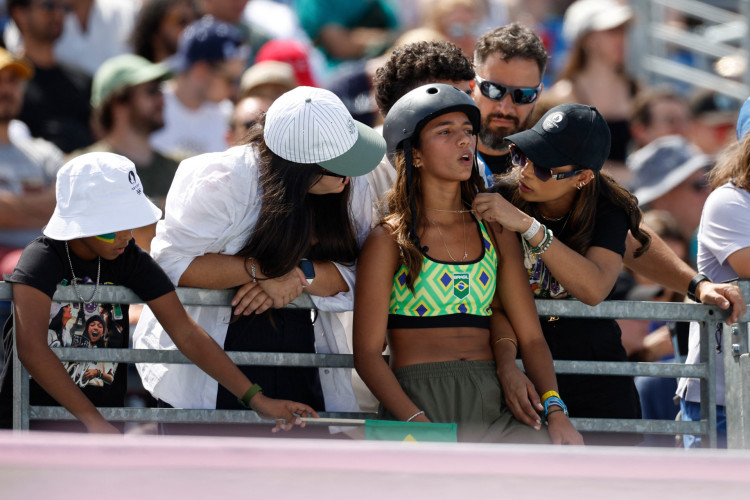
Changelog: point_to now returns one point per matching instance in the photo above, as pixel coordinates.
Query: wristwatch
(309, 269)
(699, 278)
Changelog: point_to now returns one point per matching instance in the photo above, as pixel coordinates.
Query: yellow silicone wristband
(548, 395)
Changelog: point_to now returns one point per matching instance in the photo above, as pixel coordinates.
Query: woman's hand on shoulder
(561, 429)
(286, 288)
(287, 413)
(492, 207)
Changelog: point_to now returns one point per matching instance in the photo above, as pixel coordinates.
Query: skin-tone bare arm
(200, 348)
(41, 362)
(518, 303)
(219, 271)
(661, 265)
(193, 341)
(518, 391)
(377, 264)
(589, 278)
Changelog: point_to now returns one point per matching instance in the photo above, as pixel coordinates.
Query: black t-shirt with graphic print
(43, 265)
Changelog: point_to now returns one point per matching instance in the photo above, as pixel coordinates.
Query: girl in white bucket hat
(100, 201)
(284, 212)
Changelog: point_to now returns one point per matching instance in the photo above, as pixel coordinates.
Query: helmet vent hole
(432, 90)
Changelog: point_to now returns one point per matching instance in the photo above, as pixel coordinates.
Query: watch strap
(693, 286)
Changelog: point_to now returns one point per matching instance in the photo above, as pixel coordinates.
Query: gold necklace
(463, 223)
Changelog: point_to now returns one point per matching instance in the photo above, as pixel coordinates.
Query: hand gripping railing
(736, 360)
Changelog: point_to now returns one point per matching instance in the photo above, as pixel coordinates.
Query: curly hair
(416, 64)
(511, 41)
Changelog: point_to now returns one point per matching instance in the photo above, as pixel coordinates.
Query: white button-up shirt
(212, 207)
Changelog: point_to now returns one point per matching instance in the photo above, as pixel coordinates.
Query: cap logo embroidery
(131, 177)
(350, 126)
(555, 122)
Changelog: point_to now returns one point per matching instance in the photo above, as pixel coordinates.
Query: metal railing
(723, 36)
(737, 366)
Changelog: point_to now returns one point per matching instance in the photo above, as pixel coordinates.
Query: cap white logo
(555, 122)
(350, 126)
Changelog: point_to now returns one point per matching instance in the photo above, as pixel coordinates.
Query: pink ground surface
(46, 465)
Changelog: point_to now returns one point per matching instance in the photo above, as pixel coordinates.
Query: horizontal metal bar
(177, 415)
(192, 416)
(696, 77)
(172, 356)
(121, 295)
(640, 426)
(694, 42)
(666, 311)
(701, 10)
(630, 368)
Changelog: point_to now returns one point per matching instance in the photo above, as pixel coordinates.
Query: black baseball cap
(568, 134)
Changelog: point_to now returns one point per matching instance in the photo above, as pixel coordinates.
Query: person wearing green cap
(128, 106)
(285, 212)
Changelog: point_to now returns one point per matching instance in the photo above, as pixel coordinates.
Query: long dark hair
(400, 215)
(582, 216)
(291, 219)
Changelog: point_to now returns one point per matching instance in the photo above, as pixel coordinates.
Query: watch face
(307, 268)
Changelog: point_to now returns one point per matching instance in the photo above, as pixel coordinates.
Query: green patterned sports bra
(446, 294)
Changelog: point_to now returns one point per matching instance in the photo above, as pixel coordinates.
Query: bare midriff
(414, 346)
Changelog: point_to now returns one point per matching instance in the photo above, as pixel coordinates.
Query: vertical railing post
(708, 385)
(736, 379)
(21, 401)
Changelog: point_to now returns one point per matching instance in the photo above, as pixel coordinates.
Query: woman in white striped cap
(283, 213)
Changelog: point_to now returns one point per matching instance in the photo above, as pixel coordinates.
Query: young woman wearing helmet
(429, 277)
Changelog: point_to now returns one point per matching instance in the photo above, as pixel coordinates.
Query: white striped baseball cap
(312, 125)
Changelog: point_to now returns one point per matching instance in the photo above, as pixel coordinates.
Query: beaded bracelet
(546, 242)
(252, 269)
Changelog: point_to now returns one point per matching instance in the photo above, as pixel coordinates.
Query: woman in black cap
(573, 220)
(437, 284)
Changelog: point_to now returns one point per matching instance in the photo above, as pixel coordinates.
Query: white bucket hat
(584, 16)
(99, 193)
(312, 125)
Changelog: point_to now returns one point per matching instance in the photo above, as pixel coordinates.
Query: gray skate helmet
(411, 113)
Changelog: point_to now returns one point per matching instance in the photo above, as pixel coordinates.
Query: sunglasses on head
(496, 91)
(328, 173)
(518, 158)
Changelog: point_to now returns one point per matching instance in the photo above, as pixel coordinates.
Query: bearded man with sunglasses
(509, 63)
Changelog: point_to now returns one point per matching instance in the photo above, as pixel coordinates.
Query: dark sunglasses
(543, 174)
(328, 173)
(496, 91)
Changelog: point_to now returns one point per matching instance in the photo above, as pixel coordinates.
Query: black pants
(276, 330)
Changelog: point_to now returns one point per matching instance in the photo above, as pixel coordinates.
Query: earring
(580, 185)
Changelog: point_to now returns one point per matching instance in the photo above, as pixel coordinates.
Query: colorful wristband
(549, 394)
(245, 399)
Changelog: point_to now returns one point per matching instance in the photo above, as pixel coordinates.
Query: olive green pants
(469, 394)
